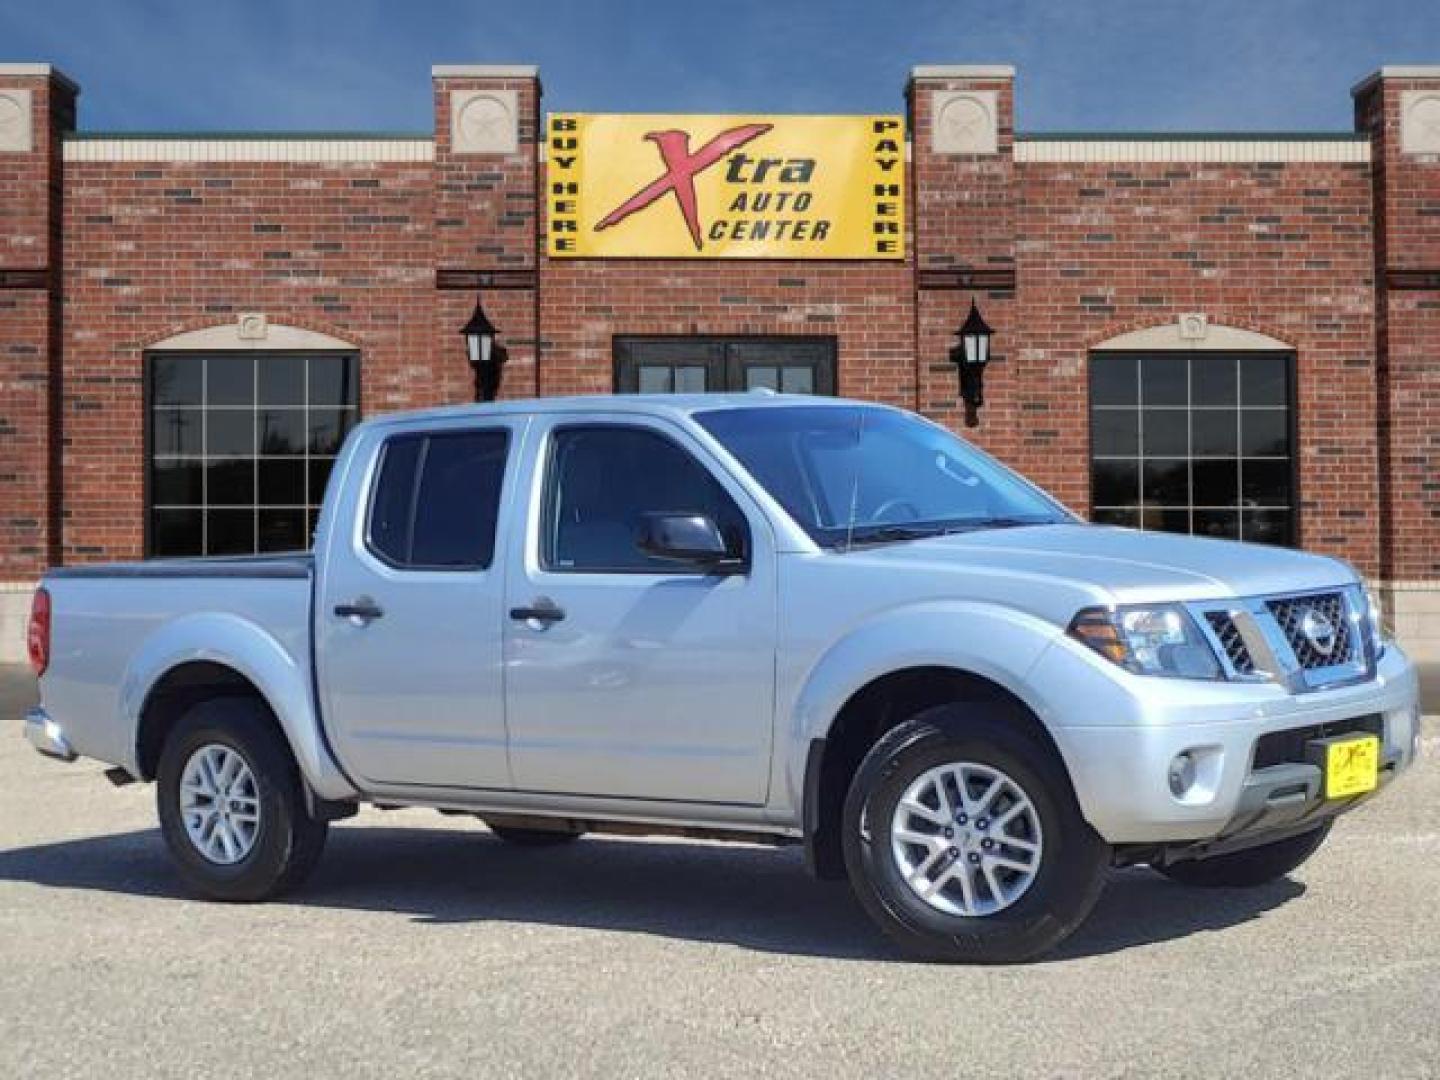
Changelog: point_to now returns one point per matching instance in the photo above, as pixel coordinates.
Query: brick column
(963, 207)
(486, 235)
(1400, 108)
(37, 105)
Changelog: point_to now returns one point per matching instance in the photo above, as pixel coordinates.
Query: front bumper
(1121, 768)
(46, 736)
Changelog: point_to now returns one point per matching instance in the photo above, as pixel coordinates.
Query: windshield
(869, 475)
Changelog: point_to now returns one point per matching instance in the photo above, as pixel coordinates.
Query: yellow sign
(726, 187)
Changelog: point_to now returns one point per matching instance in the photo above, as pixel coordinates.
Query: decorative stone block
(252, 326)
(1420, 122)
(1194, 326)
(16, 128)
(484, 122)
(965, 122)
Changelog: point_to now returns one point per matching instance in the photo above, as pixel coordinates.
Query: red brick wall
(1407, 208)
(30, 254)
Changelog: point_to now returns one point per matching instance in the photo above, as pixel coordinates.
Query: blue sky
(364, 64)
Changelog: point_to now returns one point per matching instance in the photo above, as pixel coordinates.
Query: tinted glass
(1204, 437)
(455, 514)
(449, 522)
(851, 475)
(394, 497)
(601, 483)
(233, 441)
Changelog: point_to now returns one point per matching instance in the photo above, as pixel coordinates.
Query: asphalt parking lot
(423, 947)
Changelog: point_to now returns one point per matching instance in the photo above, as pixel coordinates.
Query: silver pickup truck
(758, 618)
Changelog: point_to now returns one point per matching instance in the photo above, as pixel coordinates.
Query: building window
(240, 446)
(698, 365)
(1196, 443)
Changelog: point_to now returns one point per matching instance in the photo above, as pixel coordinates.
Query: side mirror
(687, 538)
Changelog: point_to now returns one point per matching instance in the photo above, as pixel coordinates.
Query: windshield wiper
(885, 534)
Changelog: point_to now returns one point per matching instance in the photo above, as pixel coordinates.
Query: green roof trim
(1191, 136)
(251, 136)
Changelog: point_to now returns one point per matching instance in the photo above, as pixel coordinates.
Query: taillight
(37, 634)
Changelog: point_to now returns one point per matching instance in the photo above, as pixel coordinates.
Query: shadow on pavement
(755, 898)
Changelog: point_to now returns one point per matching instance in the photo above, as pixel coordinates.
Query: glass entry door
(698, 365)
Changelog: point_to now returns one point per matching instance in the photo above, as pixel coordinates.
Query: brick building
(1233, 335)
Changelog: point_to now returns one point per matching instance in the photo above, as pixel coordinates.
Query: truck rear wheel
(231, 806)
(1250, 867)
(964, 841)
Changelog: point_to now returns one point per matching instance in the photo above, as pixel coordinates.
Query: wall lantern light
(970, 356)
(486, 355)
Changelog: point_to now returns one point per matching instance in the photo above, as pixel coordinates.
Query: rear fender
(282, 678)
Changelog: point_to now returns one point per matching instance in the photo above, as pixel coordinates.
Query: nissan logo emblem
(1318, 631)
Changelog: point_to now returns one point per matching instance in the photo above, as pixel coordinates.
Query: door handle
(362, 608)
(543, 611)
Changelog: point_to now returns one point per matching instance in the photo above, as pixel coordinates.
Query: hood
(1118, 565)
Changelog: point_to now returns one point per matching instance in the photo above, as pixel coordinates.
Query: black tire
(1073, 859)
(1251, 867)
(287, 842)
(512, 834)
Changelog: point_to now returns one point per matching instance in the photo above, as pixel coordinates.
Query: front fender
(996, 643)
(282, 678)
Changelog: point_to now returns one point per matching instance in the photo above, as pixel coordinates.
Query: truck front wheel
(231, 806)
(963, 839)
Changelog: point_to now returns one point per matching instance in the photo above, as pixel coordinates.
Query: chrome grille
(1228, 634)
(1291, 615)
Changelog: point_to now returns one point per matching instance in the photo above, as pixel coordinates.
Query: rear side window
(436, 500)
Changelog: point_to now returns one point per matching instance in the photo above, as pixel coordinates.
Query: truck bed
(293, 565)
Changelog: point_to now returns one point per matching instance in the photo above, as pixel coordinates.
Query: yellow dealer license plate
(1352, 767)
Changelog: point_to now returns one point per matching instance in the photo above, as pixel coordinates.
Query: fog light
(1182, 774)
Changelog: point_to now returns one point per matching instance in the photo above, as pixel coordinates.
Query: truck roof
(640, 404)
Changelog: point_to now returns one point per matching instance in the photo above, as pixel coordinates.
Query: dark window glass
(1208, 446)
(1218, 524)
(230, 432)
(1265, 433)
(230, 482)
(1114, 380)
(459, 500)
(1264, 381)
(1265, 483)
(1164, 380)
(1213, 382)
(280, 431)
(177, 532)
(1109, 515)
(602, 480)
(1213, 433)
(229, 532)
(1116, 483)
(177, 431)
(394, 497)
(230, 381)
(236, 443)
(1266, 526)
(333, 382)
(282, 482)
(319, 476)
(1217, 483)
(281, 381)
(283, 530)
(1166, 481)
(177, 483)
(450, 521)
(177, 381)
(1116, 432)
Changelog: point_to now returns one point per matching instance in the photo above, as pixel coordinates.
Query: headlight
(1374, 625)
(1159, 640)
